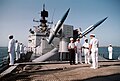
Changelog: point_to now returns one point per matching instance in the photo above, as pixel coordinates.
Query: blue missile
(92, 27)
(57, 27)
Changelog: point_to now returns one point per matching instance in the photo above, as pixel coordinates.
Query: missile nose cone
(105, 18)
(101, 21)
(65, 15)
(68, 10)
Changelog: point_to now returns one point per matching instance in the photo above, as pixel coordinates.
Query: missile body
(92, 27)
(57, 27)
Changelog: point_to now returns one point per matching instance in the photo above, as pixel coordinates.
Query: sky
(16, 17)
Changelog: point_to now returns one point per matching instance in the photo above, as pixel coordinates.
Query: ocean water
(3, 53)
(103, 51)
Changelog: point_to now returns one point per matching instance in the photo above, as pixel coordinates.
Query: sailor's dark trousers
(72, 56)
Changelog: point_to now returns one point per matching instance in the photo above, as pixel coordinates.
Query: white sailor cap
(10, 35)
(85, 39)
(71, 39)
(77, 39)
(92, 34)
(110, 44)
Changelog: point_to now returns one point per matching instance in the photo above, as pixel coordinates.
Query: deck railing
(4, 60)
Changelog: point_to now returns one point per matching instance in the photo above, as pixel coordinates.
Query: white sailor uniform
(94, 42)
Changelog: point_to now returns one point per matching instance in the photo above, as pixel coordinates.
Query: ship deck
(109, 70)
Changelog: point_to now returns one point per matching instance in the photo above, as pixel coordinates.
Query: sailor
(71, 47)
(17, 50)
(21, 51)
(78, 55)
(93, 48)
(25, 49)
(11, 49)
(86, 51)
(110, 49)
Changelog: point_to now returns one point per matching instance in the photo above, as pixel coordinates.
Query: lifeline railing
(4, 60)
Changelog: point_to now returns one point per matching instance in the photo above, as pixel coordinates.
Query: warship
(50, 43)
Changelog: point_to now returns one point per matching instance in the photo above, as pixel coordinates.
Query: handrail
(4, 60)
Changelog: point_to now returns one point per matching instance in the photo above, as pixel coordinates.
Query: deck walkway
(109, 70)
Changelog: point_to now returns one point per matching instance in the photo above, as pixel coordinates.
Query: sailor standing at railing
(11, 49)
(21, 51)
(17, 50)
(110, 50)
